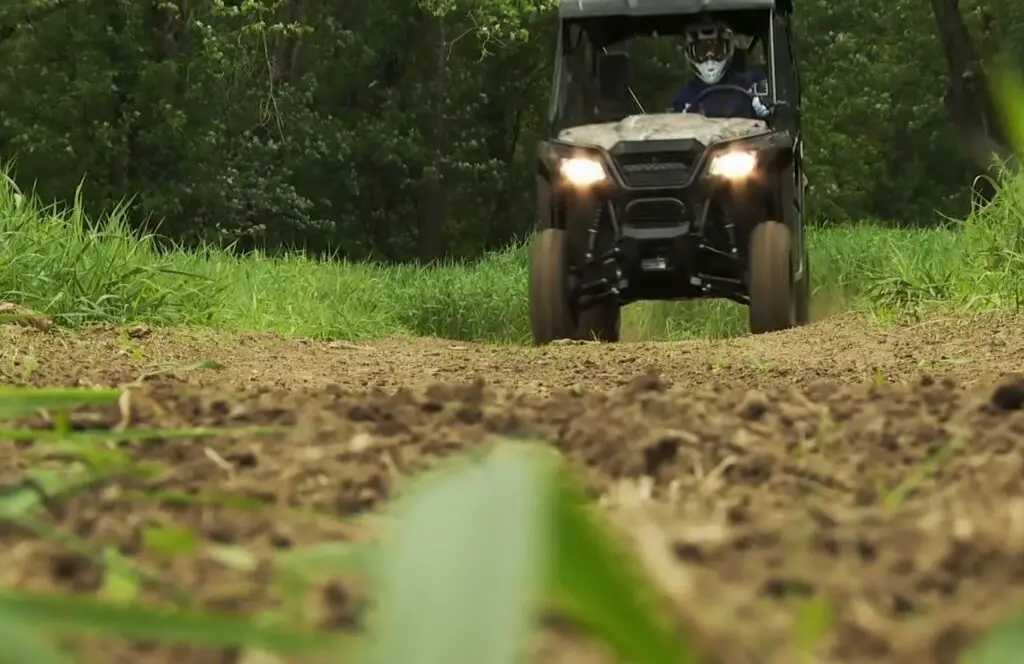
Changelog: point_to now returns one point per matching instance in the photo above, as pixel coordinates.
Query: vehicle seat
(613, 78)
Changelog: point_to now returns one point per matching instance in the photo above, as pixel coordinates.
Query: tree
(967, 97)
(405, 130)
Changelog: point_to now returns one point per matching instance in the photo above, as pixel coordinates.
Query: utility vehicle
(638, 204)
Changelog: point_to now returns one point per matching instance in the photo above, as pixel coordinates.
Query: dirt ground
(879, 472)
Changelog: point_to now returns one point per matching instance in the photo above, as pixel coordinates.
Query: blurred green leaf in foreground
(476, 550)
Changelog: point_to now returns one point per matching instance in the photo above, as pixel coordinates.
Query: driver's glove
(761, 109)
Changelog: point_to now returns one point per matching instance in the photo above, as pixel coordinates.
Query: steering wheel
(723, 87)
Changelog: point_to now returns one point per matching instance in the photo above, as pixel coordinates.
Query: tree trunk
(124, 166)
(286, 49)
(431, 197)
(967, 96)
(504, 150)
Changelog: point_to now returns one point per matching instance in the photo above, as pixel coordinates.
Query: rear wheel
(773, 295)
(550, 306)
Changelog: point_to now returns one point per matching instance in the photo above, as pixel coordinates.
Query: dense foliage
(406, 129)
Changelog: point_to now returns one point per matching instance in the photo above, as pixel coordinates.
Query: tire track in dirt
(763, 472)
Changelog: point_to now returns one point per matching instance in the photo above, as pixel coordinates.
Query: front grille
(653, 211)
(656, 169)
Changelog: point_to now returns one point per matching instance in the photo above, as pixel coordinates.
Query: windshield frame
(580, 40)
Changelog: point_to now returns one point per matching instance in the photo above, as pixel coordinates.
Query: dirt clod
(1010, 394)
(21, 315)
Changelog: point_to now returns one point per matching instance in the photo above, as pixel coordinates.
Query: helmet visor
(705, 50)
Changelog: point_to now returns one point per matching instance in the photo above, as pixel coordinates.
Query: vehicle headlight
(582, 171)
(733, 165)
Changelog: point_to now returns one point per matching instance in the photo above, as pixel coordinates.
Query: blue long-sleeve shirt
(723, 103)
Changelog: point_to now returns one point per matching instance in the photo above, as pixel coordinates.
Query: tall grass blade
(1008, 89)
(135, 622)
(19, 401)
(603, 590)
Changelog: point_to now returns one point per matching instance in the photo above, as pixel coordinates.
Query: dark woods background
(405, 129)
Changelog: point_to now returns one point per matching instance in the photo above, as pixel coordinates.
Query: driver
(710, 50)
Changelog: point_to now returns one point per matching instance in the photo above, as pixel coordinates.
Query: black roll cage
(595, 33)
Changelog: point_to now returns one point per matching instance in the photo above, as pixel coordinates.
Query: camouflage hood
(662, 126)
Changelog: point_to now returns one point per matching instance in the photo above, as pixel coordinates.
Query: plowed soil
(878, 472)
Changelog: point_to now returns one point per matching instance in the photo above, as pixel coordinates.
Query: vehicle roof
(594, 8)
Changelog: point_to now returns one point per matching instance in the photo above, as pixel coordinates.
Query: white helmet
(709, 49)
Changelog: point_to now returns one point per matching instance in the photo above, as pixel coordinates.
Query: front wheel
(773, 295)
(550, 306)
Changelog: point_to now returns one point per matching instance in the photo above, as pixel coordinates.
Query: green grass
(58, 262)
